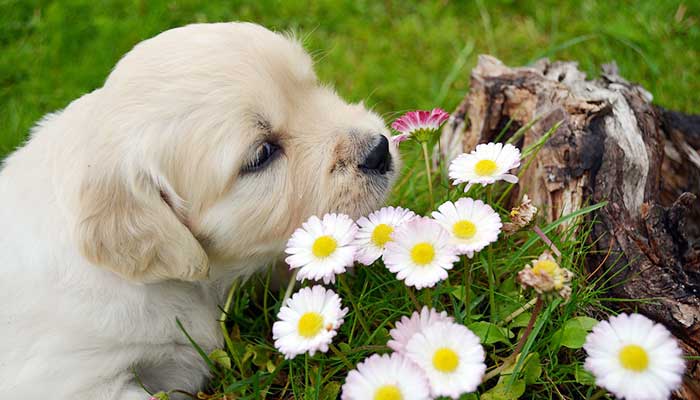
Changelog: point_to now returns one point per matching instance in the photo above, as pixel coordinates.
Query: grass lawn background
(395, 56)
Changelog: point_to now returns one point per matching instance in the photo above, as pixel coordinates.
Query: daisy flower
(545, 275)
(420, 253)
(322, 248)
(386, 377)
(419, 125)
(308, 322)
(375, 232)
(407, 327)
(487, 164)
(634, 358)
(520, 216)
(451, 357)
(472, 223)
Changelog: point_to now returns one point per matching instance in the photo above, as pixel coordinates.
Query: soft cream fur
(128, 208)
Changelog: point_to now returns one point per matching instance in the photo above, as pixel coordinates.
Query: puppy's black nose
(379, 158)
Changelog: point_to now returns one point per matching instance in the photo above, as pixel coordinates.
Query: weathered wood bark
(613, 145)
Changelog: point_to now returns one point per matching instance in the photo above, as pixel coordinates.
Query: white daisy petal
(451, 357)
(420, 253)
(472, 224)
(321, 249)
(634, 358)
(486, 164)
(375, 232)
(407, 327)
(308, 322)
(386, 377)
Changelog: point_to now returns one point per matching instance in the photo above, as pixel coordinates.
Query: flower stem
(600, 393)
(547, 241)
(346, 287)
(340, 355)
(519, 311)
(290, 287)
(535, 312)
(494, 372)
(467, 287)
(426, 156)
(413, 298)
(428, 297)
(224, 329)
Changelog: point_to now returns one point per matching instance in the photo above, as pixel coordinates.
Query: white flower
(386, 377)
(407, 327)
(487, 164)
(322, 249)
(472, 223)
(451, 356)
(375, 232)
(420, 253)
(634, 358)
(308, 322)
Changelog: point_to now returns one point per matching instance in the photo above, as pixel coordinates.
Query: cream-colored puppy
(205, 148)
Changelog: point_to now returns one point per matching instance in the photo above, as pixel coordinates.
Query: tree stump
(612, 145)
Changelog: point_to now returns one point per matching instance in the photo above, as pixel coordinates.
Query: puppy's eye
(264, 154)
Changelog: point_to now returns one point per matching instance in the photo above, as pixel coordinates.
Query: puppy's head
(209, 144)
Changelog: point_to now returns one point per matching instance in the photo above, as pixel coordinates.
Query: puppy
(142, 200)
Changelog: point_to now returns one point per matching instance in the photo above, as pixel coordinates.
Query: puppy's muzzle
(378, 160)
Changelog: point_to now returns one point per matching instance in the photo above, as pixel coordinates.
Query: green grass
(395, 56)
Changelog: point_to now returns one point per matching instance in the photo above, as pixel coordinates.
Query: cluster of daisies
(433, 355)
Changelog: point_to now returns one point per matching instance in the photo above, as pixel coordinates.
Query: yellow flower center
(388, 392)
(423, 253)
(310, 324)
(324, 246)
(485, 167)
(464, 229)
(548, 267)
(381, 235)
(634, 358)
(445, 360)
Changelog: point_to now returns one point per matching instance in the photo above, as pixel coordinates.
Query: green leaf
(344, 347)
(582, 376)
(221, 357)
(330, 391)
(530, 371)
(521, 320)
(502, 391)
(490, 333)
(261, 357)
(160, 396)
(573, 333)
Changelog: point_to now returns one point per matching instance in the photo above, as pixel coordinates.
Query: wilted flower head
(520, 216)
(545, 276)
(420, 125)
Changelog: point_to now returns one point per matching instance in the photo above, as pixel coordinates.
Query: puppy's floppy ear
(127, 226)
